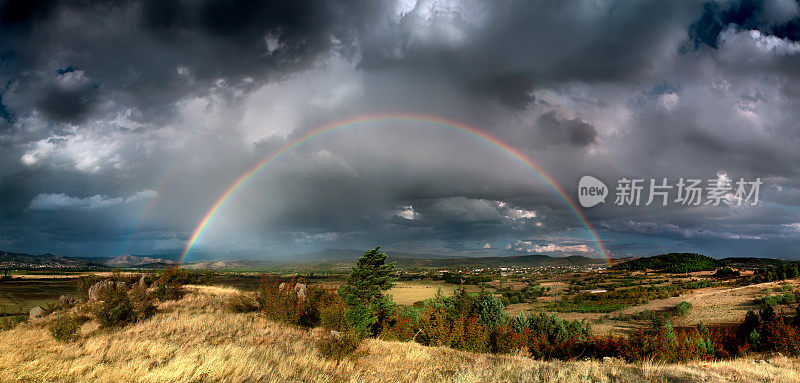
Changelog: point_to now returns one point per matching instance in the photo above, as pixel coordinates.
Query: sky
(123, 123)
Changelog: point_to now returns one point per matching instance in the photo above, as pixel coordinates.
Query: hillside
(196, 340)
(671, 263)
(47, 260)
(136, 261)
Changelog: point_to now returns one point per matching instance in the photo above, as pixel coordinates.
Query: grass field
(408, 292)
(196, 340)
(20, 295)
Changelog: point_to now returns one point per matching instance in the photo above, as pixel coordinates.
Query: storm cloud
(122, 123)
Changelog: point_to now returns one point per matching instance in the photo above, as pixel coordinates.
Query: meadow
(196, 339)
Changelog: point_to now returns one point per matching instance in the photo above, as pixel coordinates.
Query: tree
(363, 292)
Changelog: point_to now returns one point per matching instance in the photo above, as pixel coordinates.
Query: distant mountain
(137, 261)
(44, 261)
(231, 264)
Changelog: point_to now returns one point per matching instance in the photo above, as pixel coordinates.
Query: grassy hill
(671, 263)
(195, 339)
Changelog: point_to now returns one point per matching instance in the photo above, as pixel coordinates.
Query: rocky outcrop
(96, 291)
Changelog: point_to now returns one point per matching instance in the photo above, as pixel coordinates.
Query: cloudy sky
(121, 124)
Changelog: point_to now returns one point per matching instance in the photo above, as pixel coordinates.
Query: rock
(143, 281)
(301, 290)
(66, 302)
(36, 313)
(299, 287)
(97, 288)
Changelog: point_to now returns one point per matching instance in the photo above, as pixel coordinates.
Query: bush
(170, 284)
(492, 312)
(241, 303)
(726, 272)
(403, 325)
(120, 306)
(337, 346)
(295, 302)
(331, 316)
(141, 302)
(171, 292)
(9, 321)
(683, 308)
(115, 308)
(65, 327)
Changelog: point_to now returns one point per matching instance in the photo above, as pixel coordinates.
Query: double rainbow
(407, 118)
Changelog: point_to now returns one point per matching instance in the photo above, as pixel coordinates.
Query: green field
(20, 295)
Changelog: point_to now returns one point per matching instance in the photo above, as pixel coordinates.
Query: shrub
(170, 284)
(120, 306)
(777, 335)
(295, 303)
(331, 316)
(492, 312)
(9, 321)
(726, 272)
(337, 346)
(165, 293)
(241, 303)
(141, 302)
(683, 308)
(115, 308)
(279, 301)
(403, 325)
(65, 327)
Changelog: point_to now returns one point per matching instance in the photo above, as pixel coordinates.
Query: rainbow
(407, 118)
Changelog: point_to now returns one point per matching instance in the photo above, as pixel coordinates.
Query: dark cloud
(68, 105)
(506, 51)
(574, 131)
(23, 14)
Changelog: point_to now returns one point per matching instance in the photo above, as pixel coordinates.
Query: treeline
(775, 273)
(466, 279)
(670, 263)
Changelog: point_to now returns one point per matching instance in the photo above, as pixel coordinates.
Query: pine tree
(363, 292)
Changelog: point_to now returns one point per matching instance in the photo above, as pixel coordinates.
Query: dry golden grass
(195, 340)
(408, 292)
